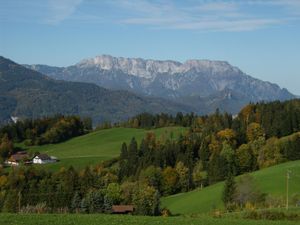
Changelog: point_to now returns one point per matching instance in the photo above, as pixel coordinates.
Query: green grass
(77, 219)
(271, 180)
(97, 146)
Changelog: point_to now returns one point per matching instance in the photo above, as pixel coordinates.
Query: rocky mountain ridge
(167, 79)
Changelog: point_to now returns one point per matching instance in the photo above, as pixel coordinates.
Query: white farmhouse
(15, 119)
(42, 159)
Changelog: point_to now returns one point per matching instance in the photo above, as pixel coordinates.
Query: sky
(261, 37)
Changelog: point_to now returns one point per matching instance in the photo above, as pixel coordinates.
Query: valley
(148, 112)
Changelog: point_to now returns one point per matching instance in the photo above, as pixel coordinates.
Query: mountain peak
(148, 68)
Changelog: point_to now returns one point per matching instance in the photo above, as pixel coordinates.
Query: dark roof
(44, 157)
(19, 156)
(21, 152)
(122, 208)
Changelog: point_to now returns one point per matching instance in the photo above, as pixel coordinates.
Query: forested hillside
(214, 148)
(217, 144)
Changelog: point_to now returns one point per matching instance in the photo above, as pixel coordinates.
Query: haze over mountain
(27, 93)
(204, 84)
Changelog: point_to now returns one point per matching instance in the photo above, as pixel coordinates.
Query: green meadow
(93, 219)
(97, 146)
(271, 180)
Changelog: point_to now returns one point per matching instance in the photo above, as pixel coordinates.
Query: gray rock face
(204, 79)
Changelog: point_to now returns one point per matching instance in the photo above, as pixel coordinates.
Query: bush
(147, 202)
(166, 212)
(271, 215)
(274, 202)
(296, 200)
(39, 208)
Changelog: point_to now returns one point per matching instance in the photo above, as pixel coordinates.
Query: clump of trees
(6, 148)
(271, 215)
(92, 190)
(46, 130)
(243, 193)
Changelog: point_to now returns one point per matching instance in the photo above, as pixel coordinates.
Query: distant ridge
(196, 79)
(25, 93)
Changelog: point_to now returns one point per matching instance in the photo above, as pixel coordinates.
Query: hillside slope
(271, 180)
(97, 146)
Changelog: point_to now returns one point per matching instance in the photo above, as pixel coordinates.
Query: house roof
(43, 157)
(122, 208)
(19, 156)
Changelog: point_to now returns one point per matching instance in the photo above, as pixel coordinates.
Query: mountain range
(202, 84)
(108, 88)
(26, 93)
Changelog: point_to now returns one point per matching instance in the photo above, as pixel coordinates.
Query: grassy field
(76, 219)
(270, 180)
(97, 146)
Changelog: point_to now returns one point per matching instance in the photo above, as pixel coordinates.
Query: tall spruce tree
(123, 172)
(229, 192)
(76, 203)
(132, 157)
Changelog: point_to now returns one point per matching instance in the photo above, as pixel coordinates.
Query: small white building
(15, 119)
(42, 159)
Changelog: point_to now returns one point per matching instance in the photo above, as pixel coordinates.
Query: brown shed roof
(122, 208)
(19, 157)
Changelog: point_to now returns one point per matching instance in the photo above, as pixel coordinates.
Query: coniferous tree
(124, 170)
(229, 192)
(6, 148)
(95, 200)
(11, 203)
(76, 203)
(107, 205)
(132, 157)
(216, 167)
(84, 207)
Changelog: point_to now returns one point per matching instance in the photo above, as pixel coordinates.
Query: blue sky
(261, 37)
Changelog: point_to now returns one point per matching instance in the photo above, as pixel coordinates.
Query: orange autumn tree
(228, 136)
(254, 131)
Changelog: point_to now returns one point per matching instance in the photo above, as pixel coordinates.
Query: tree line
(91, 190)
(46, 130)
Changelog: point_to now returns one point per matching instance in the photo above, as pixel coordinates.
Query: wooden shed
(122, 209)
